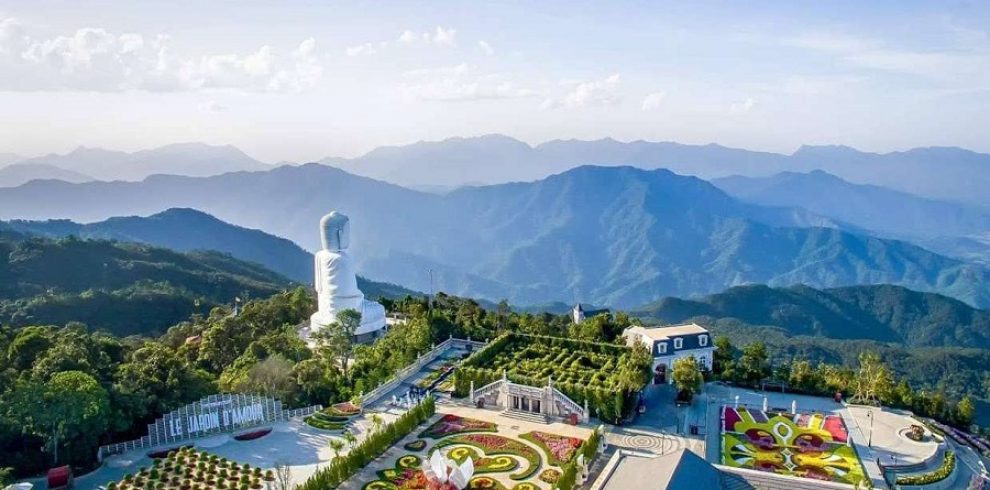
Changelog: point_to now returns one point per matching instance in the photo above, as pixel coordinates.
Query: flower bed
(187, 468)
(453, 424)
(483, 464)
(322, 421)
(941, 473)
(493, 445)
(559, 449)
(550, 475)
(417, 445)
(256, 434)
(785, 444)
(344, 409)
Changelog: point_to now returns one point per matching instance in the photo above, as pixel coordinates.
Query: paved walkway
(305, 447)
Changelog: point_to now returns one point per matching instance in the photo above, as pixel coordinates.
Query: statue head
(335, 231)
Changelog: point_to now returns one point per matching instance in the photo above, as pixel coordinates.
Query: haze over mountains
(619, 236)
(85, 164)
(946, 173)
(947, 227)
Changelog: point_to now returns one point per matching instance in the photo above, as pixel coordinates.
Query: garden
(804, 445)
(188, 469)
(502, 459)
(334, 417)
(607, 376)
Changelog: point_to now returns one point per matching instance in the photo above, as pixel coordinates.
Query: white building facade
(667, 344)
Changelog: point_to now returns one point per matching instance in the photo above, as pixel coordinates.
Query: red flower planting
(560, 448)
(453, 424)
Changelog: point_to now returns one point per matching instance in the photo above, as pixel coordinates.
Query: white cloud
(742, 106)
(365, 49)
(445, 37)
(94, 59)
(13, 38)
(408, 37)
(653, 100)
(459, 83)
(439, 37)
(587, 94)
(487, 48)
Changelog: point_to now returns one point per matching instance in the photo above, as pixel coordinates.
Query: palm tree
(337, 445)
(376, 422)
(350, 437)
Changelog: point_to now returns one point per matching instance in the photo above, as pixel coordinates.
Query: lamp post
(869, 441)
(430, 303)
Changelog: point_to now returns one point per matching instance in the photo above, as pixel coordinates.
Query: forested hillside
(123, 288)
(883, 312)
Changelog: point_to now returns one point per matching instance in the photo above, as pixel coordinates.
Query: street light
(869, 441)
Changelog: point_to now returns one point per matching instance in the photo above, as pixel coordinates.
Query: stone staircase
(525, 416)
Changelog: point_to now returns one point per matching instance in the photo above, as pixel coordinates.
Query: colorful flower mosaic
(453, 424)
(559, 449)
(483, 464)
(493, 445)
(805, 445)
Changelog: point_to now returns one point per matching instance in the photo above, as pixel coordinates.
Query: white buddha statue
(336, 281)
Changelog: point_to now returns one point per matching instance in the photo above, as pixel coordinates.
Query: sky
(302, 80)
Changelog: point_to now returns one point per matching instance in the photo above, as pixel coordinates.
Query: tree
(337, 446)
(376, 422)
(271, 377)
(336, 341)
(6, 476)
(71, 407)
(349, 437)
(873, 381)
(283, 476)
(754, 363)
(686, 375)
(725, 354)
(965, 411)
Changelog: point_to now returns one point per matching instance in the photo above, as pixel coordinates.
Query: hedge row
(943, 472)
(346, 466)
(568, 480)
(607, 404)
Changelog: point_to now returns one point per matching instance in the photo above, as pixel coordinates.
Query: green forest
(96, 382)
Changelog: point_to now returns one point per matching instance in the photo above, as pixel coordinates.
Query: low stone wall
(770, 481)
(931, 462)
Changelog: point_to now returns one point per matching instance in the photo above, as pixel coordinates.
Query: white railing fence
(404, 373)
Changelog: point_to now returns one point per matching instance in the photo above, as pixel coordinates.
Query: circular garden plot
(530, 461)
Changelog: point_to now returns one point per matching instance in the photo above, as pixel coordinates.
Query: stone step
(527, 416)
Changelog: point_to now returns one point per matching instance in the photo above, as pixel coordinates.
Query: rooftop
(680, 470)
(663, 333)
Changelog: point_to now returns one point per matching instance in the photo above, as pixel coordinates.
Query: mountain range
(189, 230)
(617, 236)
(943, 226)
(945, 173)
(84, 164)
